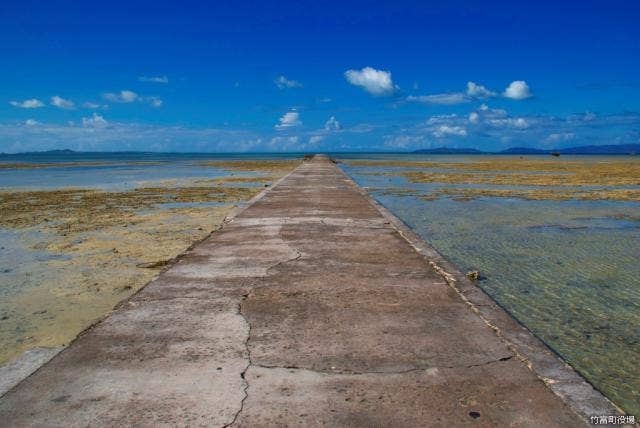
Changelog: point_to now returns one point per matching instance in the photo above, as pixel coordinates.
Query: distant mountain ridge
(610, 149)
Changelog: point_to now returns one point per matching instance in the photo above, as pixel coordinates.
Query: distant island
(612, 149)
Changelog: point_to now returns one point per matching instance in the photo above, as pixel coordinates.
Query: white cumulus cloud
(446, 130)
(95, 121)
(284, 83)
(31, 103)
(31, 122)
(376, 82)
(474, 117)
(61, 102)
(289, 120)
(475, 90)
(518, 90)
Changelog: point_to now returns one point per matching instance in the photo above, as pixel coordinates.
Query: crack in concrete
(389, 372)
(280, 263)
(249, 363)
(166, 299)
(252, 288)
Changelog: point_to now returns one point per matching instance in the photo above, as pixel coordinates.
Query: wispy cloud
(556, 138)
(315, 139)
(154, 101)
(485, 127)
(31, 103)
(441, 99)
(475, 90)
(60, 102)
(124, 96)
(289, 120)
(92, 105)
(154, 79)
(283, 83)
(376, 82)
(332, 124)
(95, 133)
(517, 90)
(446, 130)
(282, 144)
(495, 129)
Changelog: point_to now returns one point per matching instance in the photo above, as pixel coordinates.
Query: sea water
(568, 270)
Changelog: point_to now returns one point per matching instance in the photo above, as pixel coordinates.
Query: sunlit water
(569, 270)
(116, 171)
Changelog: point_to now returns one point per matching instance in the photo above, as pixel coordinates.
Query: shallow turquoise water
(568, 270)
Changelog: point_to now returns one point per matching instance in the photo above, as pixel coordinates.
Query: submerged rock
(474, 275)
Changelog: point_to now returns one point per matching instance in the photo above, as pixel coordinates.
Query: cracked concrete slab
(435, 397)
(313, 306)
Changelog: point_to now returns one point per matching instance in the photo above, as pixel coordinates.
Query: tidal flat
(533, 177)
(556, 240)
(72, 252)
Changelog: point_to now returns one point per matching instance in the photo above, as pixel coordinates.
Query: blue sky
(317, 75)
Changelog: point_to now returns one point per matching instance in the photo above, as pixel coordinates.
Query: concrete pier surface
(313, 306)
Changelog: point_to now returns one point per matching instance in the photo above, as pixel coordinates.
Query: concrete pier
(313, 306)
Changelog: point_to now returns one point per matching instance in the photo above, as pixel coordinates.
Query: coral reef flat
(70, 254)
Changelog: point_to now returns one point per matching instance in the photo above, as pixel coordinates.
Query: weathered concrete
(17, 370)
(314, 306)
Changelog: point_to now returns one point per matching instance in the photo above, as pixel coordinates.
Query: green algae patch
(77, 210)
